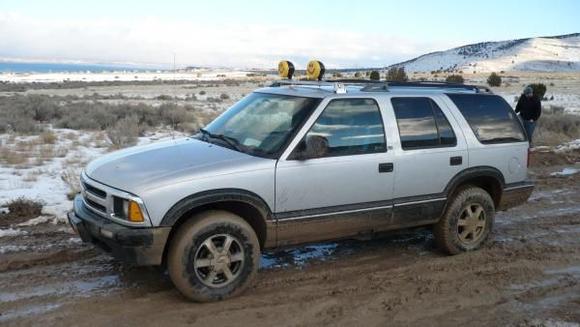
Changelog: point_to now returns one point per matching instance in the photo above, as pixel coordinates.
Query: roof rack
(441, 85)
(338, 85)
(380, 86)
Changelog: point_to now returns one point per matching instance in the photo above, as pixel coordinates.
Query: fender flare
(474, 172)
(215, 196)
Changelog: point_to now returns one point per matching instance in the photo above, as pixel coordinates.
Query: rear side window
(491, 118)
(422, 124)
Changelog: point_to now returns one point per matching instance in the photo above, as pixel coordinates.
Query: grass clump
(19, 210)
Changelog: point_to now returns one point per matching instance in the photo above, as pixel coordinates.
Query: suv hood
(146, 167)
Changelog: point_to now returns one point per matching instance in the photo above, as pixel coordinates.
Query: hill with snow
(554, 53)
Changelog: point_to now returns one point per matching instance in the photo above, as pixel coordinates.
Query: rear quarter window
(490, 117)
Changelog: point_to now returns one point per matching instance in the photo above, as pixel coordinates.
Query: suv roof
(322, 89)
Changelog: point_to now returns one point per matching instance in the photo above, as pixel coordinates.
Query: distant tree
(357, 75)
(375, 76)
(539, 90)
(455, 79)
(397, 74)
(494, 79)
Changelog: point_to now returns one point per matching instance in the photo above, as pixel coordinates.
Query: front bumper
(515, 194)
(138, 246)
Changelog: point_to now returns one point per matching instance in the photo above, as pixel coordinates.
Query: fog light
(135, 214)
(106, 233)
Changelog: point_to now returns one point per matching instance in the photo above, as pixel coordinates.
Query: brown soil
(528, 274)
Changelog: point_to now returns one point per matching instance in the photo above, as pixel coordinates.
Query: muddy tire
(214, 255)
(467, 222)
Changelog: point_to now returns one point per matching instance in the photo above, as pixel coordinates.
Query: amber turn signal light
(135, 214)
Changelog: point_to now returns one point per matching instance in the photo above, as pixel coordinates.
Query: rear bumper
(516, 194)
(138, 246)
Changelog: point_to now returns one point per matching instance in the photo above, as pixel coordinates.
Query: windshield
(260, 124)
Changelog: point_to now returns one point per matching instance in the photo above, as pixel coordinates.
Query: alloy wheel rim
(219, 260)
(471, 224)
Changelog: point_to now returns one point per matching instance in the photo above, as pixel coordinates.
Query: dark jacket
(529, 108)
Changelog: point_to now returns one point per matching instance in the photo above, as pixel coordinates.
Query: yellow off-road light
(285, 69)
(135, 214)
(315, 70)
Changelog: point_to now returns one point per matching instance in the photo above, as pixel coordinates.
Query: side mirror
(314, 146)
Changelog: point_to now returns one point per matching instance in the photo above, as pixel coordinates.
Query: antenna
(174, 62)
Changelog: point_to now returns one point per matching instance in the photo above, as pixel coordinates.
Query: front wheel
(215, 255)
(467, 221)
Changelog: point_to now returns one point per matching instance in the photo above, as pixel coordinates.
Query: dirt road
(528, 274)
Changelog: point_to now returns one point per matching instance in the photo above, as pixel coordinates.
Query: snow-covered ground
(44, 180)
(569, 102)
(201, 75)
(560, 54)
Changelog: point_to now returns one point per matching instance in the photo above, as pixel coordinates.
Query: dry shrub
(13, 158)
(554, 129)
(46, 151)
(24, 208)
(47, 137)
(71, 177)
(27, 114)
(124, 133)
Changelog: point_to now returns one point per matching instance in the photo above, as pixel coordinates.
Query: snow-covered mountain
(554, 53)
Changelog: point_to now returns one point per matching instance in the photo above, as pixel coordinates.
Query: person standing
(529, 108)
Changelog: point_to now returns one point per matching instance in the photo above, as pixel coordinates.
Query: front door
(343, 188)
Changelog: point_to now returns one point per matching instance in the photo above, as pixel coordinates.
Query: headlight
(128, 210)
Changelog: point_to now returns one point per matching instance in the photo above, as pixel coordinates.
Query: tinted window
(490, 117)
(350, 126)
(422, 124)
(446, 134)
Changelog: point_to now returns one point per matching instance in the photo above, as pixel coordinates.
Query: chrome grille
(95, 198)
(100, 199)
(95, 191)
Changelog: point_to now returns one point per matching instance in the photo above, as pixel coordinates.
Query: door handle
(456, 161)
(385, 167)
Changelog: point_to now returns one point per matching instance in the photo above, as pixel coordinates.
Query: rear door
(430, 151)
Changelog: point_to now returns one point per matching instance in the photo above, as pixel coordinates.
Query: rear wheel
(214, 256)
(467, 222)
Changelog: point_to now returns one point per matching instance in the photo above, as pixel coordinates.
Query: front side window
(491, 118)
(422, 124)
(349, 127)
(261, 124)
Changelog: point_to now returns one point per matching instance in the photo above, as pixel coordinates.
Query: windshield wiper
(230, 141)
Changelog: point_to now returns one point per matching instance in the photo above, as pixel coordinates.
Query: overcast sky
(254, 33)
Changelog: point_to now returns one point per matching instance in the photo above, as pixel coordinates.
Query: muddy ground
(528, 274)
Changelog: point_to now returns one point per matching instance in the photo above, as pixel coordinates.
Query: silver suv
(302, 162)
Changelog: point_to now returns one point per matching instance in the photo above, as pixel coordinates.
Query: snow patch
(566, 172)
(39, 220)
(12, 248)
(572, 145)
(12, 232)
